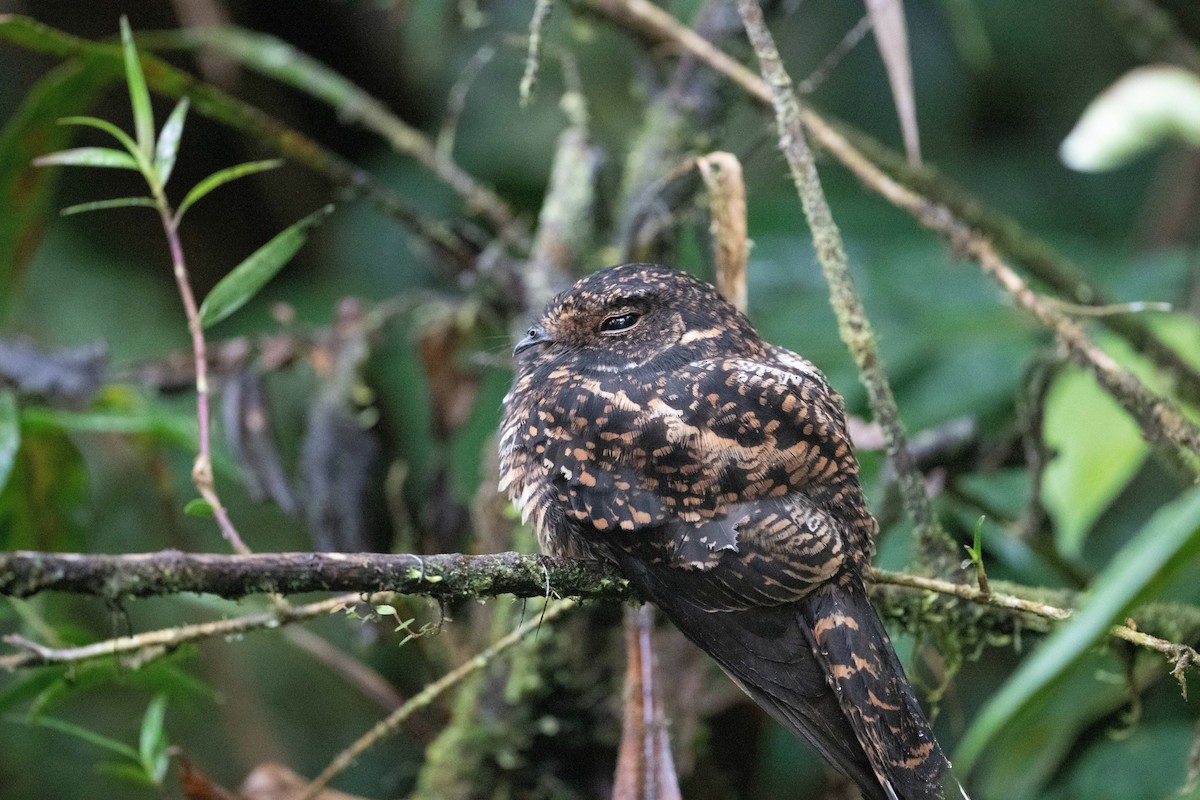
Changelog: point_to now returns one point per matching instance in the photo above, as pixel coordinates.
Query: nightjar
(649, 425)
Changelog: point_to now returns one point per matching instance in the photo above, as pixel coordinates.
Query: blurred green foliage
(998, 86)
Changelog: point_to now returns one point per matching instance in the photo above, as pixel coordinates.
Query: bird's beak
(534, 336)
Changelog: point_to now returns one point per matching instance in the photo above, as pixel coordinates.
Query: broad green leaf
(1144, 108)
(26, 193)
(88, 157)
(168, 142)
(106, 126)
(139, 95)
(152, 740)
(1170, 536)
(1098, 449)
(220, 179)
(101, 205)
(10, 434)
(80, 732)
(232, 292)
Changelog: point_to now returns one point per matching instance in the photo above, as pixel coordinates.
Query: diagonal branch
(1160, 418)
(853, 325)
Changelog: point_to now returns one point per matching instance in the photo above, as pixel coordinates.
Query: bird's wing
(724, 456)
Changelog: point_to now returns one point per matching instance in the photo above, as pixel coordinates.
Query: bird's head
(625, 317)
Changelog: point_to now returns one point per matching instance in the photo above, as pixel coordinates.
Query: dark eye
(619, 322)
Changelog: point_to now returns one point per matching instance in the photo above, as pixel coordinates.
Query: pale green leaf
(139, 95)
(1098, 449)
(152, 741)
(106, 126)
(88, 157)
(101, 205)
(168, 142)
(232, 292)
(1144, 108)
(1168, 538)
(220, 179)
(10, 434)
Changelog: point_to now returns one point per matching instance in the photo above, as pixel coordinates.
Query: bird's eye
(619, 322)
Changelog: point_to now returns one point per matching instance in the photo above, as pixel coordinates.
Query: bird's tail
(849, 641)
(825, 668)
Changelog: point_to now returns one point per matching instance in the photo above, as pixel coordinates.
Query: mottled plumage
(649, 425)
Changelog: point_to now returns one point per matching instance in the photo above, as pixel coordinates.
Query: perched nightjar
(649, 425)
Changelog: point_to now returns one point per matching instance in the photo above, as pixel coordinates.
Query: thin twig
(202, 469)
(142, 647)
(1173, 650)
(427, 695)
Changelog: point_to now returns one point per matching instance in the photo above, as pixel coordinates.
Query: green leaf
(10, 434)
(168, 142)
(117, 202)
(232, 292)
(134, 774)
(1168, 538)
(220, 179)
(106, 126)
(197, 507)
(139, 95)
(26, 194)
(88, 157)
(152, 741)
(1144, 108)
(1098, 451)
(80, 732)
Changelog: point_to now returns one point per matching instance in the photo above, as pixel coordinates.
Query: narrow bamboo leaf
(88, 157)
(79, 732)
(106, 126)
(152, 741)
(891, 34)
(100, 205)
(168, 142)
(26, 193)
(10, 434)
(275, 58)
(139, 95)
(232, 292)
(220, 179)
(1167, 538)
